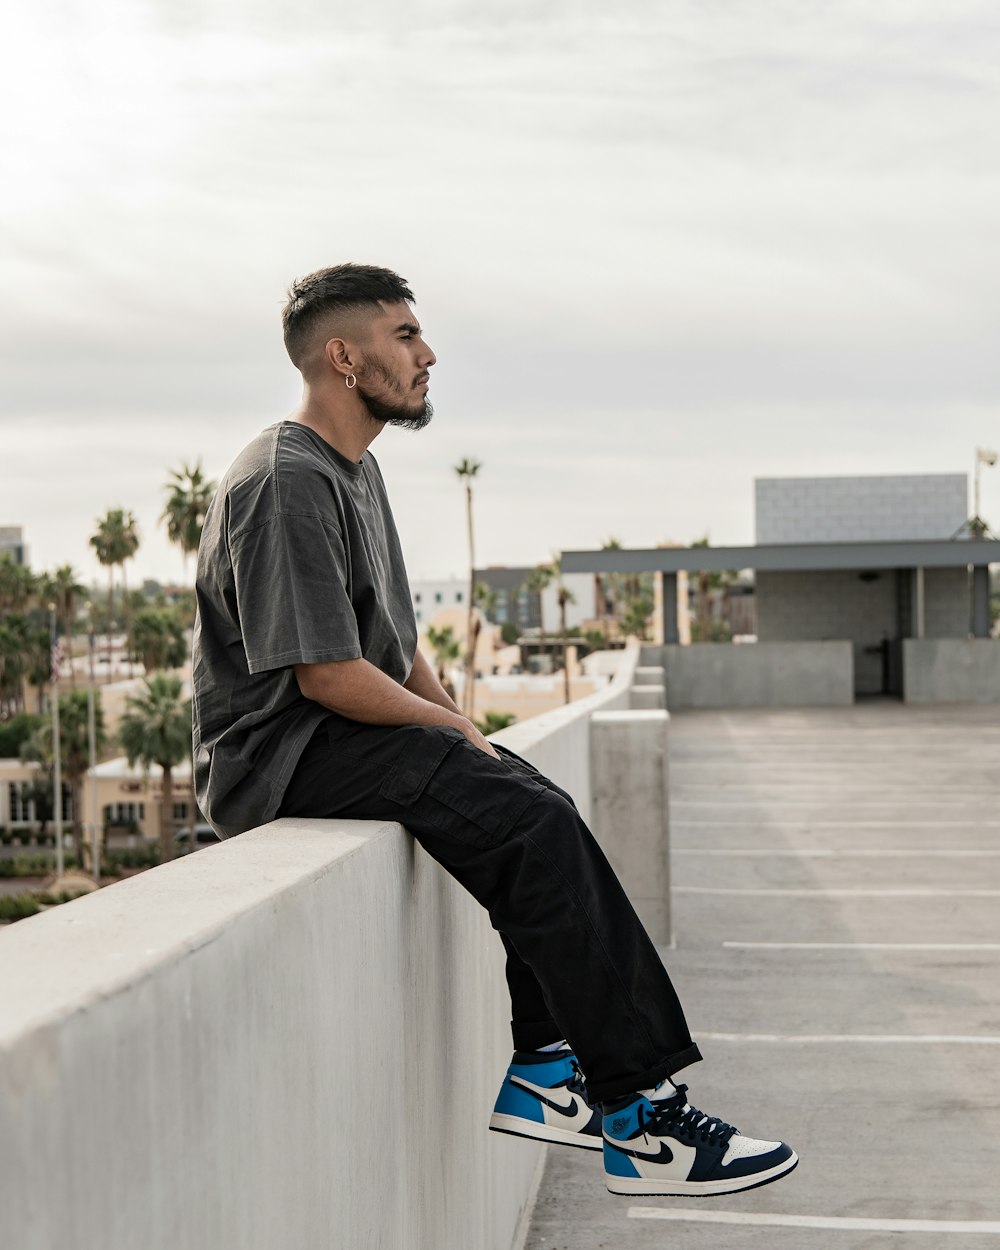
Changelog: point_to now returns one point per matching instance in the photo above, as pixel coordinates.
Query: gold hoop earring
(351, 381)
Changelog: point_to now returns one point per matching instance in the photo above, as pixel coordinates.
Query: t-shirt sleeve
(291, 576)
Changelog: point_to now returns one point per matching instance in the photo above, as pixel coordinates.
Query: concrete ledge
(762, 674)
(951, 670)
(291, 1039)
(630, 797)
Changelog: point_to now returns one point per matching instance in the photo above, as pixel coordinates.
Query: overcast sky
(659, 249)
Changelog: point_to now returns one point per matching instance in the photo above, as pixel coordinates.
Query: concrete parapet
(647, 698)
(291, 1039)
(648, 675)
(762, 674)
(951, 670)
(630, 809)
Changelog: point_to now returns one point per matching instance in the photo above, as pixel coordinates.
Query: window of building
(416, 597)
(180, 811)
(126, 813)
(437, 596)
(20, 808)
(458, 596)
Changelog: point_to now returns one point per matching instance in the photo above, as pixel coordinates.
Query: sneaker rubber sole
(517, 1127)
(697, 1189)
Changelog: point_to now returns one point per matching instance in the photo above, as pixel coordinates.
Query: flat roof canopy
(798, 557)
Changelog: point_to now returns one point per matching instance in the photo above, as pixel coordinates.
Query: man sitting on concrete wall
(312, 699)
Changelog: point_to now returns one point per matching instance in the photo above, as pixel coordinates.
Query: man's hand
(476, 738)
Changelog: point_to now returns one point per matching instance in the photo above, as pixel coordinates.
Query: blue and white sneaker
(543, 1096)
(665, 1146)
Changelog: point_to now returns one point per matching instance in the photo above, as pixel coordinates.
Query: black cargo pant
(579, 963)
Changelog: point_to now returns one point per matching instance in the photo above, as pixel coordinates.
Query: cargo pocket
(452, 787)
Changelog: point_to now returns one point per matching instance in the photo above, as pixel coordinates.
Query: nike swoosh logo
(543, 1095)
(665, 1154)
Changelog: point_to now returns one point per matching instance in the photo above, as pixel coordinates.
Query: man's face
(393, 377)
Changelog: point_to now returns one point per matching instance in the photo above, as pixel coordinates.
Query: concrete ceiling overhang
(787, 557)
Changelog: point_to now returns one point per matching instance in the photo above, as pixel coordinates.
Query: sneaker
(665, 1146)
(543, 1096)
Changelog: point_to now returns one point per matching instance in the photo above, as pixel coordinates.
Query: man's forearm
(423, 681)
(361, 692)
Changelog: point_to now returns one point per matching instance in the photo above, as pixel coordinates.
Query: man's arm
(361, 692)
(423, 681)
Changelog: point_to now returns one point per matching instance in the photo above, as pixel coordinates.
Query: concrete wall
(291, 1039)
(864, 609)
(860, 509)
(951, 670)
(756, 674)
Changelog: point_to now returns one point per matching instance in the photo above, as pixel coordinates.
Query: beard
(391, 409)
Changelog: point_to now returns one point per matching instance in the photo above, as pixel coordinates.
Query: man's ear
(341, 356)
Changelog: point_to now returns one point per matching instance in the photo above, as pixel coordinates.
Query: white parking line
(847, 1223)
(764, 892)
(911, 852)
(842, 824)
(874, 1039)
(864, 946)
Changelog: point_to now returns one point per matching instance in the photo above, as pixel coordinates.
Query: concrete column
(918, 602)
(648, 675)
(646, 698)
(980, 601)
(629, 808)
(668, 588)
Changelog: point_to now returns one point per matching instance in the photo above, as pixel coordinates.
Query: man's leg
(524, 853)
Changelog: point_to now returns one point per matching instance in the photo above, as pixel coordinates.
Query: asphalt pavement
(836, 915)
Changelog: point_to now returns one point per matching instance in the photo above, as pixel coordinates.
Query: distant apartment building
(12, 543)
(430, 596)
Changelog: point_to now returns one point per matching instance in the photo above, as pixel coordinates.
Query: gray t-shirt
(299, 563)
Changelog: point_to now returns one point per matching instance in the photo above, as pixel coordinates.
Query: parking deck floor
(836, 912)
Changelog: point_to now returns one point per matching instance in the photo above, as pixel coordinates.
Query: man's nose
(428, 357)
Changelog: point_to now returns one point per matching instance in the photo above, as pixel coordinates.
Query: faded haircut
(341, 288)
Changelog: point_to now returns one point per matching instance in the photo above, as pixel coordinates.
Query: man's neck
(346, 427)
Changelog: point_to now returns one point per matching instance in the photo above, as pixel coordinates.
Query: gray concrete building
(12, 543)
(864, 586)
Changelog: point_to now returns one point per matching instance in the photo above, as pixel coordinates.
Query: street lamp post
(95, 842)
(57, 808)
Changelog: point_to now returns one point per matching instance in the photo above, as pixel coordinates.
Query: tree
(707, 583)
(564, 597)
(613, 582)
(535, 583)
(17, 585)
(189, 493)
(446, 650)
(467, 470)
(493, 722)
(115, 541)
(74, 746)
(159, 638)
(156, 729)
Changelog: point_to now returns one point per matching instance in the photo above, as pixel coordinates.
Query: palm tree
(156, 729)
(614, 582)
(467, 470)
(535, 583)
(189, 493)
(446, 650)
(159, 638)
(18, 585)
(564, 596)
(115, 541)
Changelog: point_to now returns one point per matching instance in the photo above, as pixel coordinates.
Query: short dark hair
(340, 288)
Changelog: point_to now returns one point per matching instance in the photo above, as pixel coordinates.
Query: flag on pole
(58, 655)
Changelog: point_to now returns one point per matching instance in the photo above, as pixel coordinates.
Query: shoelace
(686, 1121)
(576, 1082)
